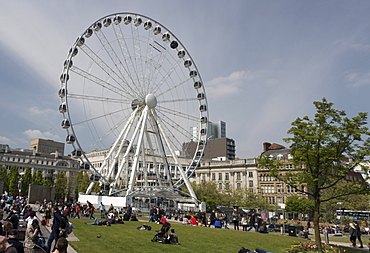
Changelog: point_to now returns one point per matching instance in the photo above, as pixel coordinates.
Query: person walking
(77, 211)
(252, 222)
(55, 229)
(352, 234)
(235, 217)
(102, 210)
(358, 234)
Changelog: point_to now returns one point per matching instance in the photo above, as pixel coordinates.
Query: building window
(203, 176)
(219, 176)
(238, 185)
(250, 184)
(227, 176)
(213, 176)
(220, 186)
(238, 176)
(227, 186)
(250, 174)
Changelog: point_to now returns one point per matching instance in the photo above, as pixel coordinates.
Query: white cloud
(4, 139)
(36, 111)
(356, 79)
(223, 86)
(36, 134)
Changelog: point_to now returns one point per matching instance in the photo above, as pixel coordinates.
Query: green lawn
(126, 238)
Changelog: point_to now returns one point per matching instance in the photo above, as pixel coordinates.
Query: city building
(218, 146)
(228, 174)
(276, 192)
(42, 146)
(49, 164)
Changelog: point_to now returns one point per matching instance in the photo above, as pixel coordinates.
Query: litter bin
(292, 231)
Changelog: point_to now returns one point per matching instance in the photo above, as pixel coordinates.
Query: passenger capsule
(127, 20)
(203, 108)
(66, 124)
(76, 153)
(166, 36)
(181, 53)
(84, 166)
(88, 33)
(97, 26)
(62, 107)
(201, 143)
(107, 22)
(203, 131)
(80, 41)
(147, 25)
(67, 64)
(157, 30)
(64, 78)
(70, 139)
(174, 44)
(62, 92)
(200, 96)
(197, 85)
(73, 51)
(137, 21)
(203, 120)
(95, 177)
(193, 73)
(199, 153)
(187, 63)
(117, 19)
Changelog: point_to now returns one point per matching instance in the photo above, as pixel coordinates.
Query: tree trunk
(316, 225)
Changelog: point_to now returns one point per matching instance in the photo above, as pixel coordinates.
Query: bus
(353, 215)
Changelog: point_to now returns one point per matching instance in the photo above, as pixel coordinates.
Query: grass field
(126, 238)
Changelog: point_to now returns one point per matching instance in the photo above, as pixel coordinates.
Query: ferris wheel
(131, 93)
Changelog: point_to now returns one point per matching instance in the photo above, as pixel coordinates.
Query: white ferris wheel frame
(136, 127)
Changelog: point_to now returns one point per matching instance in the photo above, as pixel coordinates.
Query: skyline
(263, 63)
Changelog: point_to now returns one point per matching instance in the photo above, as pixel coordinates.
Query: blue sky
(263, 62)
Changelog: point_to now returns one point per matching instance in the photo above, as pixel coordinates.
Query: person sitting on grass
(174, 239)
(193, 221)
(99, 223)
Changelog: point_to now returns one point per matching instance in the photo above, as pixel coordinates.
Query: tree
(61, 186)
(13, 180)
(324, 150)
(294, 204)
(26, 181)
(37, 178)
(4, 177)
(208, 193)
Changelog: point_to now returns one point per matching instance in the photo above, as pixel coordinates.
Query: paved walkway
(47, 229)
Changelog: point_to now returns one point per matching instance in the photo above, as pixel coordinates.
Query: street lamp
(341, 208)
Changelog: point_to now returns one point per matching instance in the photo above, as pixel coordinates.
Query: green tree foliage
(26, 181)
(47, 182)
(324, 150)
(61, 186)
(37, 178)
(208, 193)
(295, 204)
(13, 180)
(4, 177)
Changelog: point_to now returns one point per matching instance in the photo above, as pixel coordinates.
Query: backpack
(63, 223)
(69, 228)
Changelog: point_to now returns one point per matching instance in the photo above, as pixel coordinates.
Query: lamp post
(341, 208)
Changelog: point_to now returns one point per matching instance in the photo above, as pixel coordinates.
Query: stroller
(162, 235)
